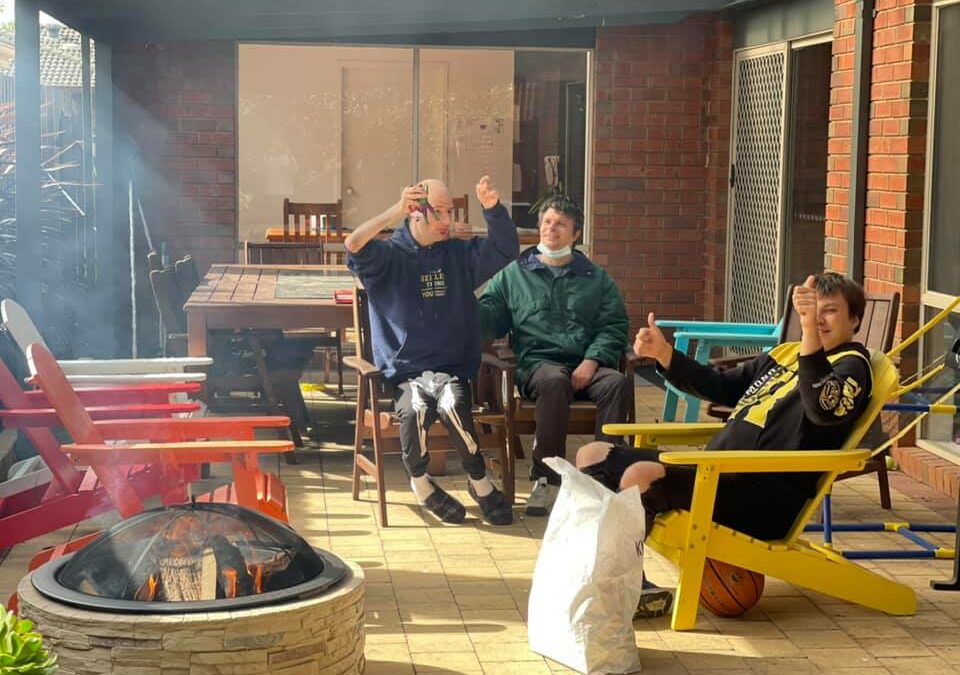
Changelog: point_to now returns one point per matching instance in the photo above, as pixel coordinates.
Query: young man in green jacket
(569, 331)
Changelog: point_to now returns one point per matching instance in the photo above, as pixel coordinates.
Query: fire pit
(200, 589)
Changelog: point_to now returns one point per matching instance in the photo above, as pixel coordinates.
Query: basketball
(728, 590)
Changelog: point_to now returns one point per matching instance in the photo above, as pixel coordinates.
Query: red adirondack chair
(122, 477)
(168, 443)
(30, 507)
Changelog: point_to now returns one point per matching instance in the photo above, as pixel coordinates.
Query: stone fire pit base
(318, 636)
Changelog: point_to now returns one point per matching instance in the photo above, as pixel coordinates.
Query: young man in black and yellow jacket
(803, 395)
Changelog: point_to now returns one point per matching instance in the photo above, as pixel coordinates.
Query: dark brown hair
(829, 283)
(563, 205)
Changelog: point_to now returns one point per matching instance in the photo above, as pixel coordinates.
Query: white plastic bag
(588, 576)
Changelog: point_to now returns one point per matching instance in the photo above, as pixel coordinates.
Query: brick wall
(840, 135)
(660, 164)
(717, 101)
(897, 146)
(177, 102)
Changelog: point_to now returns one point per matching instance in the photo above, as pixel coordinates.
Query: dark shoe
(541, 498)
(654, 601)
(445, 507)
(496, 510)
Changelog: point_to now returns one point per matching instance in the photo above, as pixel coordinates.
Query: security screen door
(757, 175)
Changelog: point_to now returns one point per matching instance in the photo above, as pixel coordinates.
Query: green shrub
(21, 650)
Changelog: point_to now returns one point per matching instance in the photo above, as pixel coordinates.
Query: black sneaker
(445, 507)
(496, 510)
(654, 601)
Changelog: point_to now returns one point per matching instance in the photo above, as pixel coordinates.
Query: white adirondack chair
(94, 372)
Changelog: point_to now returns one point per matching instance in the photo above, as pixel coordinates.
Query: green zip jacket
(556, 319)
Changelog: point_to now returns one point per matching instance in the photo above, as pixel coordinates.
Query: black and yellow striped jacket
(783, 401)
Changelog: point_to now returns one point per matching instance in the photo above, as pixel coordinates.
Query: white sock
(422, 487)
(482, 486)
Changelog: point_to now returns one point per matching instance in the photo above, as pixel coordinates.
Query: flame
(229, 583)
(152, 586)
(257, 574)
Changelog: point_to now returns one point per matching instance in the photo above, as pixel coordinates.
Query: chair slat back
(283, 253)
(154, 260)
(461, 209)
(361, 322)
(46, 445)
(304, 221)
(876, 329)
(61, 395)
(75, 419)
(19, 324)
(188, 276)
(885, 381)
(166, 292)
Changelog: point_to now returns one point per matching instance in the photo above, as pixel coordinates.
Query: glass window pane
(944, 272)
(466, 121)
(942, 429)
(811, 119)
(550, 122)
(318, 124)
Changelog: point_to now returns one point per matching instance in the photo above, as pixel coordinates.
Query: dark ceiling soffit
(175, 25)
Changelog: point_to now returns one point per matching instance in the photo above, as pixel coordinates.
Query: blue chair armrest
(730, 339)
(711, 327)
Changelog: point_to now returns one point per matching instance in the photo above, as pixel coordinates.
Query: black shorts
(759, 505)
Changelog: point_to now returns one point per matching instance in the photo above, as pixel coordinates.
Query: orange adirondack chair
(168, 443)
(30, 507)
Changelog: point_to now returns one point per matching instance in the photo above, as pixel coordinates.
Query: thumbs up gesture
(651, 343)
(805, 302)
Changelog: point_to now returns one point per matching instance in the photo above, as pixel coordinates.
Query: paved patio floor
(453, 599)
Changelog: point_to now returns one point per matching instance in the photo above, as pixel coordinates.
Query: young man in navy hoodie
(425, 328)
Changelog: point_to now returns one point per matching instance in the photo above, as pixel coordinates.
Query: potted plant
(21, 649)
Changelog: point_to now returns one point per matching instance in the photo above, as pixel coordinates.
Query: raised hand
(651, 343)
(805, 301)
(487, 193)
(410, 199)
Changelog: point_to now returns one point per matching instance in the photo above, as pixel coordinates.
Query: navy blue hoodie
(423, 311)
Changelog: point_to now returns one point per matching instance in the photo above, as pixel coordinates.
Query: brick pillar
(178, 103)
(718, 94)
(896, 150)
(898, 139)
(660, 163)
(840, 136)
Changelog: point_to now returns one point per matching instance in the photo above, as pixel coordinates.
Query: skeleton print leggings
(422, 401)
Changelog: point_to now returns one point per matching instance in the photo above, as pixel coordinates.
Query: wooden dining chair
(188, 276)
(461, 209)
(312, 222)
(283, 252)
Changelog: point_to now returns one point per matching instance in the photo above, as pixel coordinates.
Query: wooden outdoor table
(287, 297)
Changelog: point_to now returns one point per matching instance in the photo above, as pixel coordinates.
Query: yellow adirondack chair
(689, 537)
